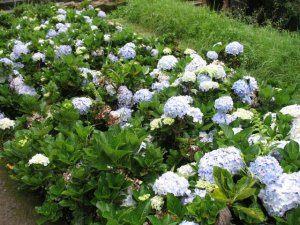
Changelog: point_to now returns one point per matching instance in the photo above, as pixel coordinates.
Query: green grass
(270, 55)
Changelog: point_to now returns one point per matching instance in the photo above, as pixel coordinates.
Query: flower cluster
(142, 95)
(266, 169)
(246, 89)
(282, 195)
(127, 51)
(229, 158)
(39, 159)
(234, 48)
(167, 62)
(171, 183)
(82, 104)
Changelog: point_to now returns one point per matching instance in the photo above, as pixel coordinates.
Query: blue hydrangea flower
(234, 48)
(123, 114)
(124, 97)
(245, 88)
(19, 49)
(127, 52)
(196, 64)
(177, 106)
(223, 118)
(142, 95)
(63, 50)
(101, 14)
(283, 195)
(159, 86)
(224, 104)
(6, 61)
(212, 55)
(229, 158)
(266, 169)
(167, 62)
(2, 115)
(82, 104)
(112, 57)
(51, 34)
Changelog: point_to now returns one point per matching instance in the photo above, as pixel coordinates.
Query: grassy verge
(270, 55)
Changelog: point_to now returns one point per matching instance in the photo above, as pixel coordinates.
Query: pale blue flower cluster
(229, 158)
(113, 57)
(82, 104)
(159, 86)
(234, 48)
(19, 49)
(245, 88)
(2, 115)
(171, 183)
(63, 50)
(266, 169)
(167, 62)
(190, 198)
(212, 55)
(224, 104)
(123, 114)
(20, 87)
(196, 63)
(124, 97)
(127, 51)
(142, 95)
(101, 14)
(6, 61)
(177, 106)
(283, 195)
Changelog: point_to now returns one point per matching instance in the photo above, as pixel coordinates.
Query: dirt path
(16, 207)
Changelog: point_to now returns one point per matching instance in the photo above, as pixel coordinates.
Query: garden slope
(270, 55)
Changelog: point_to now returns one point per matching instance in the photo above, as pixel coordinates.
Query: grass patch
(270, 55)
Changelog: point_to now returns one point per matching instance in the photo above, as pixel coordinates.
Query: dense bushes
(270, 56)
(117, 129)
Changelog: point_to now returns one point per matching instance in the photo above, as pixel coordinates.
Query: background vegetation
(270, 55)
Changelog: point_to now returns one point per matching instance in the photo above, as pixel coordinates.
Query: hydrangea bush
(114, 128)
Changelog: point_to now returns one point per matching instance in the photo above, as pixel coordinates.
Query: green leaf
(174, 205)
(224, 181)
(254, 213)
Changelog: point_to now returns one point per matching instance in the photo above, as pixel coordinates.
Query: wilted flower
(39, 159)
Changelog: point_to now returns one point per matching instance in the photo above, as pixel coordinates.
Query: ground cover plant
(271, 56)
(114, 128)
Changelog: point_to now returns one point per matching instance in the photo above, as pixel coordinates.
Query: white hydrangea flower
(154, 52)
(82, 104)
(167, 51)
(243, 114)
(157, 202)
(189, 51)
(186, 171)
(292, 110)
(39, 159)
(234, 48)
(167, 62)
(283, 195)
(196, 114)
(208, 85)
(215, 70)
(266, 169)
(237, 130)
(196, 64)
(107, 37)
(6, 123)
(171, 183)
(188, 77)
(38, 57)
(229, 158)
(212, 55)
